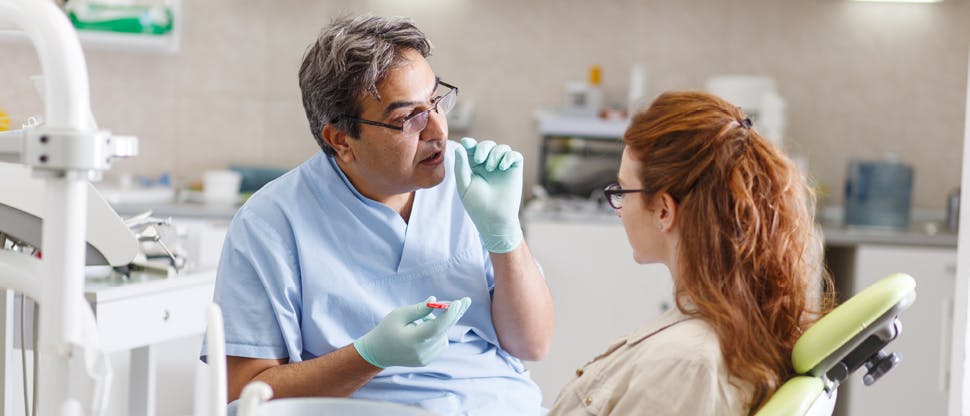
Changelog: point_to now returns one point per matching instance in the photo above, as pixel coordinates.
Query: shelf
(107, 41)
(551, 124)
(92, 40)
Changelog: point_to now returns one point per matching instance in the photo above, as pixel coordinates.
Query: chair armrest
(795, 397)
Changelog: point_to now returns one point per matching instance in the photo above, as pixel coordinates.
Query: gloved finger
(468, 143)
(495, 156)
(510, 159)
(444, 321)
(463, 172)
(433, 349)
(482, 151)
(410, 313)
(465, 304)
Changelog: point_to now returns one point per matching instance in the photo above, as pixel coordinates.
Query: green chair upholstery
(847, 338)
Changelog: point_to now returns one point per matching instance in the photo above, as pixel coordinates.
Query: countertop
(179, 209)
(921, 233)
(114, 287)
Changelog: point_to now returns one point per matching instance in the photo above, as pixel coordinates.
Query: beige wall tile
(288, 142)
(215, 130)
(859, 79)
(149, 115)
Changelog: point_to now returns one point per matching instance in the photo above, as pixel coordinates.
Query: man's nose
(437, 128)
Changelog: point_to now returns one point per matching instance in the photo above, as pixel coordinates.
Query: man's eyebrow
(398, 104)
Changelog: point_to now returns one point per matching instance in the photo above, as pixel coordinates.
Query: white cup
(221, 186)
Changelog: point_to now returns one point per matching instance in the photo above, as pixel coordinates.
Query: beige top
(673, 366)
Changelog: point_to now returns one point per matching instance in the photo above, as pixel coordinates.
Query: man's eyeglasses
(415, 123)
(614, 194)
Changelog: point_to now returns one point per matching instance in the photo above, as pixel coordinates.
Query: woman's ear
(666, 213)
(338, 140)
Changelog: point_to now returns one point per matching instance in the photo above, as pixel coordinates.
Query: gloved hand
(489, 179)
(410, 336)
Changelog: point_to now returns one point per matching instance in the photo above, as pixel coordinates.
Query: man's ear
(338, 140)
(666, 211)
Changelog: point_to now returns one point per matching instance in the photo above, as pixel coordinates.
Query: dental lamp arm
(65, 152)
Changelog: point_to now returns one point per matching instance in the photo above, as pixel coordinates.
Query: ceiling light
(900, 1)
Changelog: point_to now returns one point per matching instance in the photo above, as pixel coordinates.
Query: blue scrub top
(309, 265)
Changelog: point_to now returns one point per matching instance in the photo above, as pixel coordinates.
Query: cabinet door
(600, 294)
(918, 385)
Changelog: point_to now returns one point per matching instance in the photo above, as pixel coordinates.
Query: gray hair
(347, 60)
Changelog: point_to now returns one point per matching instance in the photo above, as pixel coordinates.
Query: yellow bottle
(4, 121)
(595, 75)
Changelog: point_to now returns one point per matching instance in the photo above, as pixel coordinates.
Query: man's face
(389, 162)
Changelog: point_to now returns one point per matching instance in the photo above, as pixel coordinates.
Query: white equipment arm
(64, 152)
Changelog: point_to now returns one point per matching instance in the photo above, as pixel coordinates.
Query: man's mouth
(435, 158)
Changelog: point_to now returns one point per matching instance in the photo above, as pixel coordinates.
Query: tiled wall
(860, 79)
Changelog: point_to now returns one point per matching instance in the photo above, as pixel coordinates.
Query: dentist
(325, 272)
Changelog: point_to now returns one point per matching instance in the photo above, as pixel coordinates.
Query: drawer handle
(165, 315)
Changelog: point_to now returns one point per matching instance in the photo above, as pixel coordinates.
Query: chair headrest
(864, 312)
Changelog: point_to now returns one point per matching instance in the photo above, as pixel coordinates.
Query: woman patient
(701, 192)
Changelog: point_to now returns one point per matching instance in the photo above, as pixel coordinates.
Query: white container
(759, 98)
(637, 95)
(583, 100)
(221, 186)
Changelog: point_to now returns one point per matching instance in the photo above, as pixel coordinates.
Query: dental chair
(850, 336)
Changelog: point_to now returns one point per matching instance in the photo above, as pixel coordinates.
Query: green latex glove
(489, 179)
(410, 336)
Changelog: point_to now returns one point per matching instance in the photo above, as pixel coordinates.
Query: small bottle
(594, 97)
(4, 121)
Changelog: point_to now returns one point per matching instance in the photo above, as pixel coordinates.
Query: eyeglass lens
(442, 105)
(615, 199)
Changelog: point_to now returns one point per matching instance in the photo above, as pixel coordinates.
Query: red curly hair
(750, 254)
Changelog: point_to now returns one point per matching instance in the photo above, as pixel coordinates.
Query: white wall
(959, 387)
(858, 77)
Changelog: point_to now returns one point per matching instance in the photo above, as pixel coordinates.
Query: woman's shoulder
(681, 340)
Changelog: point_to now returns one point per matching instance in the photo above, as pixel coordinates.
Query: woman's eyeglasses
(614, 194)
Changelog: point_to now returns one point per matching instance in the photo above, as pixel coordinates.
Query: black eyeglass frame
(613, 190)
(434, 106)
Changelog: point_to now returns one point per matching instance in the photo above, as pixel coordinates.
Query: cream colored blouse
(673, 366)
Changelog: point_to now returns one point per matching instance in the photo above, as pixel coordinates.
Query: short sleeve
(258, 288)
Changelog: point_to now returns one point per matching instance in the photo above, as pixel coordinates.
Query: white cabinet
(137, 314)
(918, 385)
(144, 317)
(600, 293)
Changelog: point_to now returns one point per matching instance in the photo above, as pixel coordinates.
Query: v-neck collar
(415, 233)
(412, 231)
